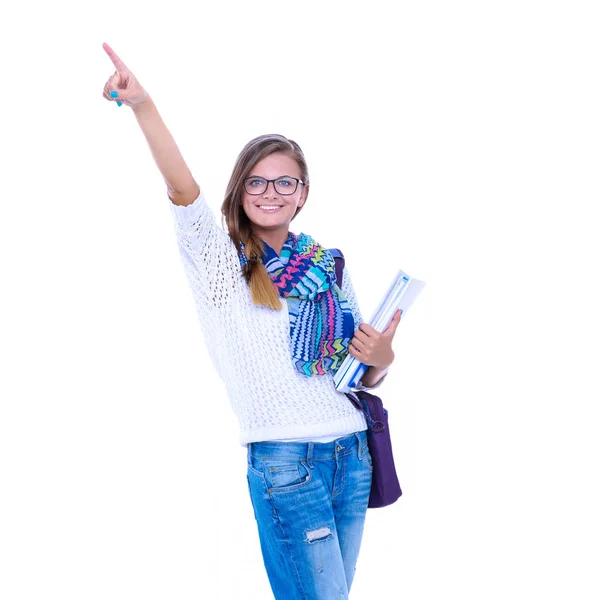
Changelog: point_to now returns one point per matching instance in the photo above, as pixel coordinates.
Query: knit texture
(320, 318)
(250, 345)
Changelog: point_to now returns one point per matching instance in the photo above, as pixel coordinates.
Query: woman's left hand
(373, 348)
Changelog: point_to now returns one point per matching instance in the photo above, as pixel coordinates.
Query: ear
(304, 195)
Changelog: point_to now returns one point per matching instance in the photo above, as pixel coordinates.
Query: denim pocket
(286, 476)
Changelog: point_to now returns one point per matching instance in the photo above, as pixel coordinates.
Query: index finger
(367, 329)
(120, 66)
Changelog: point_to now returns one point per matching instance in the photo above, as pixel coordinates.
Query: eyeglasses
(283, 185)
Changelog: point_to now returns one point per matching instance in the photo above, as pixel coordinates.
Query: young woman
(277, 328)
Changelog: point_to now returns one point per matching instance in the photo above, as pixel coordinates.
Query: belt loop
(310, 454)
(360, 441)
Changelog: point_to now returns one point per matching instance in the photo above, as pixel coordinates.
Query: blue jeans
(310, 503)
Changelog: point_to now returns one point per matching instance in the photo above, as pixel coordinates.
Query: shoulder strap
(339, 264)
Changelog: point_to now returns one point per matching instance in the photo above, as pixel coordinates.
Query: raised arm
(181, 186)
(208, 254)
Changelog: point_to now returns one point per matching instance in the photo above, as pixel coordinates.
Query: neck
(275, 239)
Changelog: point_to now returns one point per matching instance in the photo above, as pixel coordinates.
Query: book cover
(401, 294)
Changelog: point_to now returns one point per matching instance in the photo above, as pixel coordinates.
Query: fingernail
(119, 103)
(113, 94)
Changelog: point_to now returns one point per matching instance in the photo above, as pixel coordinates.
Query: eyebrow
(294, 177)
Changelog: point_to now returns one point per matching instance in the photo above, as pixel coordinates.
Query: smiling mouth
(269, 207)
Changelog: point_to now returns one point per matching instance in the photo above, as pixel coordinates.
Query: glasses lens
(255, 185)
(285, 185)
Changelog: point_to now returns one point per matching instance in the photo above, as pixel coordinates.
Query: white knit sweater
(249, 344)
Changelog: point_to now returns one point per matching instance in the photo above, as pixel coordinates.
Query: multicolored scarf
(320, 319)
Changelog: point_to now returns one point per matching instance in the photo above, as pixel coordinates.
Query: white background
(454, 140)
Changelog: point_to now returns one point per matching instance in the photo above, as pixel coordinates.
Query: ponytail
(262, 290)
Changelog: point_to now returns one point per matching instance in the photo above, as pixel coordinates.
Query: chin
(272, 225)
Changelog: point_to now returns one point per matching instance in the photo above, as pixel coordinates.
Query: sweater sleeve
(349, 291)
(209, 256)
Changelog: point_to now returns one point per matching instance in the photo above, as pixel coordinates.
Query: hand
(373, 348)
(130, 91)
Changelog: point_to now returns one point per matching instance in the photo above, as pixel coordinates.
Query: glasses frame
(274, 182)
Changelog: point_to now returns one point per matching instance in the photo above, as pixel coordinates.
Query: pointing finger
(118, 63)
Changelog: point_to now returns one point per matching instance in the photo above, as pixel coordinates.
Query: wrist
(373, 376)
(144, 106)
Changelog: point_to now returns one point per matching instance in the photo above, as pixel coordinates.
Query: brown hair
(262, 290)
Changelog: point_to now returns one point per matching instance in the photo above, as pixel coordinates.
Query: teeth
(268, 207)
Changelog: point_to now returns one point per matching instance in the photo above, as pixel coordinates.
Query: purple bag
(385, 483)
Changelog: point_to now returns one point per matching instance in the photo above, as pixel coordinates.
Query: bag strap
(358, 399)
(357, 402)
(361, 400)
(339, 264)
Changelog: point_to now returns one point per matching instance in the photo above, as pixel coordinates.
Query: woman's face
(258, 207)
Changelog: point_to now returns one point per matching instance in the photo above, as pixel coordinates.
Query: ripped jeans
(310, 502)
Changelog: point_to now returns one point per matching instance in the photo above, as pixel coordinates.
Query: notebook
(400, 295)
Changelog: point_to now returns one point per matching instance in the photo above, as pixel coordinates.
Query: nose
(270, 191)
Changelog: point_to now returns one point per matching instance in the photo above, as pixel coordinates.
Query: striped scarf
(320, 319)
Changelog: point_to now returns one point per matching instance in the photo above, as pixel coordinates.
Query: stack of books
(400, 295)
